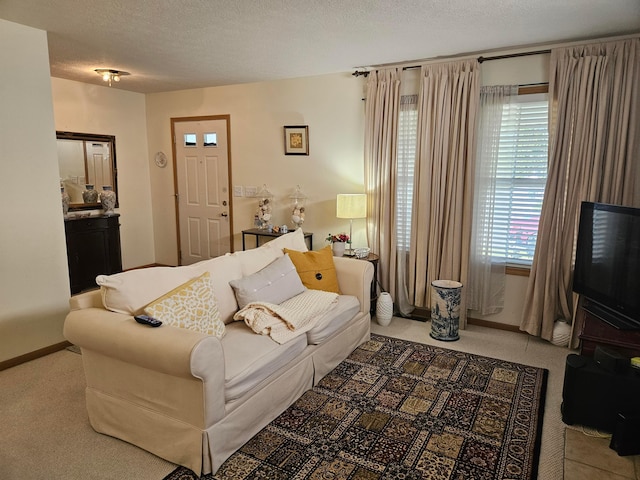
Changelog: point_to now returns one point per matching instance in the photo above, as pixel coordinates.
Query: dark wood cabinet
(93, 248)
(596, 331)
(373, 258)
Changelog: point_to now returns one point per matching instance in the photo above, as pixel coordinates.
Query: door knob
(224, 214)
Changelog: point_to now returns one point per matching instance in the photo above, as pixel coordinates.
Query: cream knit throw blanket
(291, 318)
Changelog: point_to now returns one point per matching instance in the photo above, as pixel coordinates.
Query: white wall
(332, 107)
(33, 274)
(34, 283)
(85, 108)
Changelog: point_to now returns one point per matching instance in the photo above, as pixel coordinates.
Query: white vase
(338, 248)
(384, 309)
(445, 309)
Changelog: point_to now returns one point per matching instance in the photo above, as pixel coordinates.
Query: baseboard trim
(27, 357)
(424, 315)
(496, 325)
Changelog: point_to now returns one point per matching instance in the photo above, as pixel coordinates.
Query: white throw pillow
(292, 241)
(129, 292)
(256, 259)
(222, 269)
(277, 282)
(192, 306)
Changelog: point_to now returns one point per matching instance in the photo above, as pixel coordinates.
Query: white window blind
(407, 139)
(520, 179)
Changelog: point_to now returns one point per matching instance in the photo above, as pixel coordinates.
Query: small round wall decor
(161, 159)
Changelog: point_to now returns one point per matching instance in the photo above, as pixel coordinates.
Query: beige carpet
(45, 432)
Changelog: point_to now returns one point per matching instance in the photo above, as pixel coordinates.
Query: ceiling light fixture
(109, 75)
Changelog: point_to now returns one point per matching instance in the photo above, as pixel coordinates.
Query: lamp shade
(351, 205)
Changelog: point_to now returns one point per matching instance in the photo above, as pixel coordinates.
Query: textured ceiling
(179, 44)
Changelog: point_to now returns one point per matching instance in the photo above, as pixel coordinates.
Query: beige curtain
(594, 149)
(380, 144)
(444, 177)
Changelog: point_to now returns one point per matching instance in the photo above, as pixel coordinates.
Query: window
(406, 156)
(520, 179)
(520, 182)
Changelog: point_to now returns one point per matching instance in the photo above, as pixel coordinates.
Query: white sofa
(191, 398)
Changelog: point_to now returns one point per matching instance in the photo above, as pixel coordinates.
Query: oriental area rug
(403, 410)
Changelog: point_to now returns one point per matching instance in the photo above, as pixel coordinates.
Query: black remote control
(147, 320)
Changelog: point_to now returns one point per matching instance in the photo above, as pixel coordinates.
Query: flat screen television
(607, 267)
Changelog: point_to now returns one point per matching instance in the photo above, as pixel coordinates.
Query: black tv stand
(615, 319)
(594, 331)
(593, 396)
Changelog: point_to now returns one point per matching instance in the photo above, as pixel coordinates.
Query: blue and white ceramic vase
(108, 199)
(445, 309)
(90, 195)
(65, 201)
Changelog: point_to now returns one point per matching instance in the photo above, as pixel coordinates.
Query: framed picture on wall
(296, 140)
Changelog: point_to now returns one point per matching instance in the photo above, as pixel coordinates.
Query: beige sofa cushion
(250, 358)
(333, 320)
(223, 270)
(255, 259)
(129, 292)
(292, 241)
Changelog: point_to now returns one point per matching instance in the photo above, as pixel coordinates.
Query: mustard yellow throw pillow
(192, 305)
(316, 269)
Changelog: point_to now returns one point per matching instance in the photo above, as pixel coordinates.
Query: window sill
(519, 271)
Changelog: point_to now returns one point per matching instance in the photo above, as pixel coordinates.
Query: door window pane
(189, 139)
(211, 139)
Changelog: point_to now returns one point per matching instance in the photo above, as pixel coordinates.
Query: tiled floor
(587, 456)
(566, 452)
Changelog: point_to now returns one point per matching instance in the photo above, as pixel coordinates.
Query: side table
(308, 236)
(373, 258)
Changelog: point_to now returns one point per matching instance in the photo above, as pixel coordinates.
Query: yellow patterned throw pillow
(192, 305)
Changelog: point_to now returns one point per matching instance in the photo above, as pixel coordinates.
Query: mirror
(86, 159)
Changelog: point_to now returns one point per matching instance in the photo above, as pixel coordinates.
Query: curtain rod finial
(363, 73)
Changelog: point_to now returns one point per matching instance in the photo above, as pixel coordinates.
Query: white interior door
(202, 176)
(98, 162)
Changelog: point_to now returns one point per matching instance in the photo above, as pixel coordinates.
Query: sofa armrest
(92, 298)
(165, 349)
(169, 350)
(354, 278)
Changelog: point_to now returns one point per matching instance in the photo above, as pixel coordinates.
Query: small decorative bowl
(362, 252)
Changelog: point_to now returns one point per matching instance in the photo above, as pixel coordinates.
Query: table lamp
(351, 205)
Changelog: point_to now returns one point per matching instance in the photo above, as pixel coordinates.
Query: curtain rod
(512, 55)
(480, 60)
